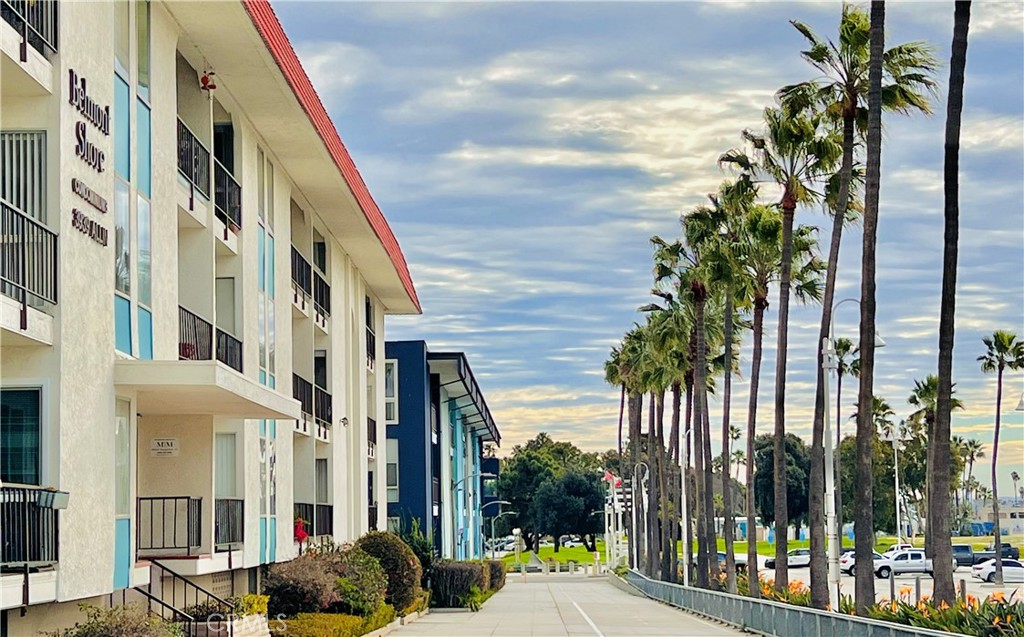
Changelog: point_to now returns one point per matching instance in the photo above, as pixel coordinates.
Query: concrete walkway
(554, 606)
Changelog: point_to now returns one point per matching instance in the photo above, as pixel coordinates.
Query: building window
(142, 33)
(391, 392)
(225, 470)
(371, 336)
(490, 487)
(322, 481)
(392, 469)
(122, 459)
(265, 317)
(20, 436)
(395, 524)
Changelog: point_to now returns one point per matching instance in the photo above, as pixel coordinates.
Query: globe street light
(499, 503)
(828, 363)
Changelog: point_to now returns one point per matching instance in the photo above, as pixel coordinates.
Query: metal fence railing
(36, 21)
(229, 350)
(771, 618)
(227, 197)
(193, 160)
(228, 523)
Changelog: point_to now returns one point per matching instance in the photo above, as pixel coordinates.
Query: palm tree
(794, 150)
(1015, 478)
(630, 368)
(846, 365)
(613, 376)
(738, 458)
(839, 91)
(864, 519)
(1003, 351)
(973, 450)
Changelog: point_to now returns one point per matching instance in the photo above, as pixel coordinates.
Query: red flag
(618, 482)
(608, 476)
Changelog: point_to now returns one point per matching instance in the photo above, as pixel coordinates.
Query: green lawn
(577, 554)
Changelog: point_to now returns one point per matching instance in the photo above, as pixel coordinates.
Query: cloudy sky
(525, 153)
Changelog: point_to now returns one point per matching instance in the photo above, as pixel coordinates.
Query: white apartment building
(194, 281)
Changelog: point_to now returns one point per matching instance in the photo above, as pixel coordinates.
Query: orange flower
(894, 606)
(906, 590)
(998, 596)
(995, 620)
(1009, 619)
(944, 605)
(925, 598)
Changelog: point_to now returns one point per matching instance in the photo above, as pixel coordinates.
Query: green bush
(208, 610)
(303, 585)
(496, 574)
(452, 582)
(421, 546)
(119, 621)
(994, 616)
(384, 615)
(361, 583)
(400, 564)
(318, 625)
(250, 604)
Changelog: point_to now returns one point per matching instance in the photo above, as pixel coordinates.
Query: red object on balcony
(300, 530)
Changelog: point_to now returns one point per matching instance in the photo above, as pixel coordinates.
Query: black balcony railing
(305, 512)
(28, 259)
(302, 277)
(324, 523)
(373, 516)
(169, 524)
(36, 21)
(193, 160)
(322, 404)
(302, 391)
(371, 430)
(227, 197)
(321, 296)
(229, 350)
(195, 337)
(435, 491)
(371, 347)
(229, 523)
(29, 526)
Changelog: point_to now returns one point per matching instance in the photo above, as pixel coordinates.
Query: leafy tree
(798, 466)
(883, 502)
(523, 474)
(566, 505)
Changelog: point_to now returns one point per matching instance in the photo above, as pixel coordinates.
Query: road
(555, 606)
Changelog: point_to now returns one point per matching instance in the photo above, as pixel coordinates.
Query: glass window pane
(122, 127)
(145, 253)
(144, 149)
(263, 476)
(122, 324)
(271, 341)
(261, 195)
(270, 194)
(389, 380)
(321, 481)
(225, 468)
(272, 475)
(122, 459)
(261, 323)
(261, 251)
(122, 238)
(19, 436)
(270, 265)
(145, 334)
(122, 36)
(142, 30)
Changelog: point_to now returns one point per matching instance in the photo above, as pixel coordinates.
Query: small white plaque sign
(163, 447)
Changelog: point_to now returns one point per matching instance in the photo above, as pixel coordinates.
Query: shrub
(250, 604)
(994, 616)
(361, 583)
(318, 625)
(496, 574)
(119, 621)
(384, 615)
(452, 582)
(302, 585)
(400, 564)
(420, 604)
(208, 610)
(421, 546)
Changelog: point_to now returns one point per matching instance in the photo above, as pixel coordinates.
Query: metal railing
(156, 607)
(302, 391)
(302, 277)
(324, 520)
(208, 612)
(227, 197)
(28, 259)
(29, 527)
(193, 160)
(371, 348)
(323, 408)
(195, 337)
(23, 178)
(306, 512)
(371, 430)
(321, 297)
(372, 511)
(767, 617)
(229, 350)
(228, 523)
(435, 490)
(169, 523)
(36, 20)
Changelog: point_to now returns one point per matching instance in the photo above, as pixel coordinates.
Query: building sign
(93, 156)
(163, 447)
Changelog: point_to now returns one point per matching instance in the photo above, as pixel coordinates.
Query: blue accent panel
(145, 334)
(415, 498)
(263, 377)
(123, 324)
(273, 428)
(273, 382)
(122, 553)
(263, 428)
(263, 539)
(122, 128)
(145, 178)
(272, 557)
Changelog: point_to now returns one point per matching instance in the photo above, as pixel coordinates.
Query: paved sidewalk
(554, 606)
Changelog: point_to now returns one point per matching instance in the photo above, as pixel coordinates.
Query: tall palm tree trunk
(816, 502)
(636, 512)
(675, 495)
(700, 511)
(664, 495)
(755, 378)
(709, 499)
(622, 407)
(938, 509)
(781, 506)
(727, 523)
(690, 491)
(653, 545)
(865, 531)
(710, 562)
(996, 530)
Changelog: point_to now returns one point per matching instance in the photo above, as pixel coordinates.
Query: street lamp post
(455, 487)
(828, 363)
(895, 437)
(634, 485)
(499, 503)
(493, 519)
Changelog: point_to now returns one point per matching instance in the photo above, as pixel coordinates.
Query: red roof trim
(270, 29)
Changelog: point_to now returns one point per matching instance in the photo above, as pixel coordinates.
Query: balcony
(371, 438)
(229, 523)
(302, 391)
(36, 21)
(229, 350)
(323, 523)
(193, 162)
(29, 526)
(306, 512)
(323, 413)
(195, 337)
(372, 513)
(227, 199)
(28, 272)
(321, 301)
(302, 282)
(371, 349)
(169, 525)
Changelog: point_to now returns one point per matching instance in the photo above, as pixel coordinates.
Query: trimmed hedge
(384, 615)
(302, 585)
(400, 564)
(496, 574)
(452, 582)
(131, 620)
(332, 625)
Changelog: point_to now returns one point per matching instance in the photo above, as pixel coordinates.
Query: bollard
(917, 587)
(558, 568)
(892, 586)
(572, 568)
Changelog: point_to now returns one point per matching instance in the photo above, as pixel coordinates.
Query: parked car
(1007, 552)
(1013, 571)
(908, 561)
(847, 561)
(963, 554)
(795, 558)
(741, 561)
(898, 547)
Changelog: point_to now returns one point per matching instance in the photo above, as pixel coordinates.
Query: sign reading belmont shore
(99, 117)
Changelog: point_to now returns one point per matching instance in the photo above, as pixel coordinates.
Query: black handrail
(322, 404)
(189, 596)
(174, 523)
(228, 522)
(321, 296)
(324, 520)
(229, 350)
(163, 610)
(302, 391)
(29, 529)
(28, 259)
(195, 337)
(193, 159)
(227, 197)
(302, 275)
(36, 20)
